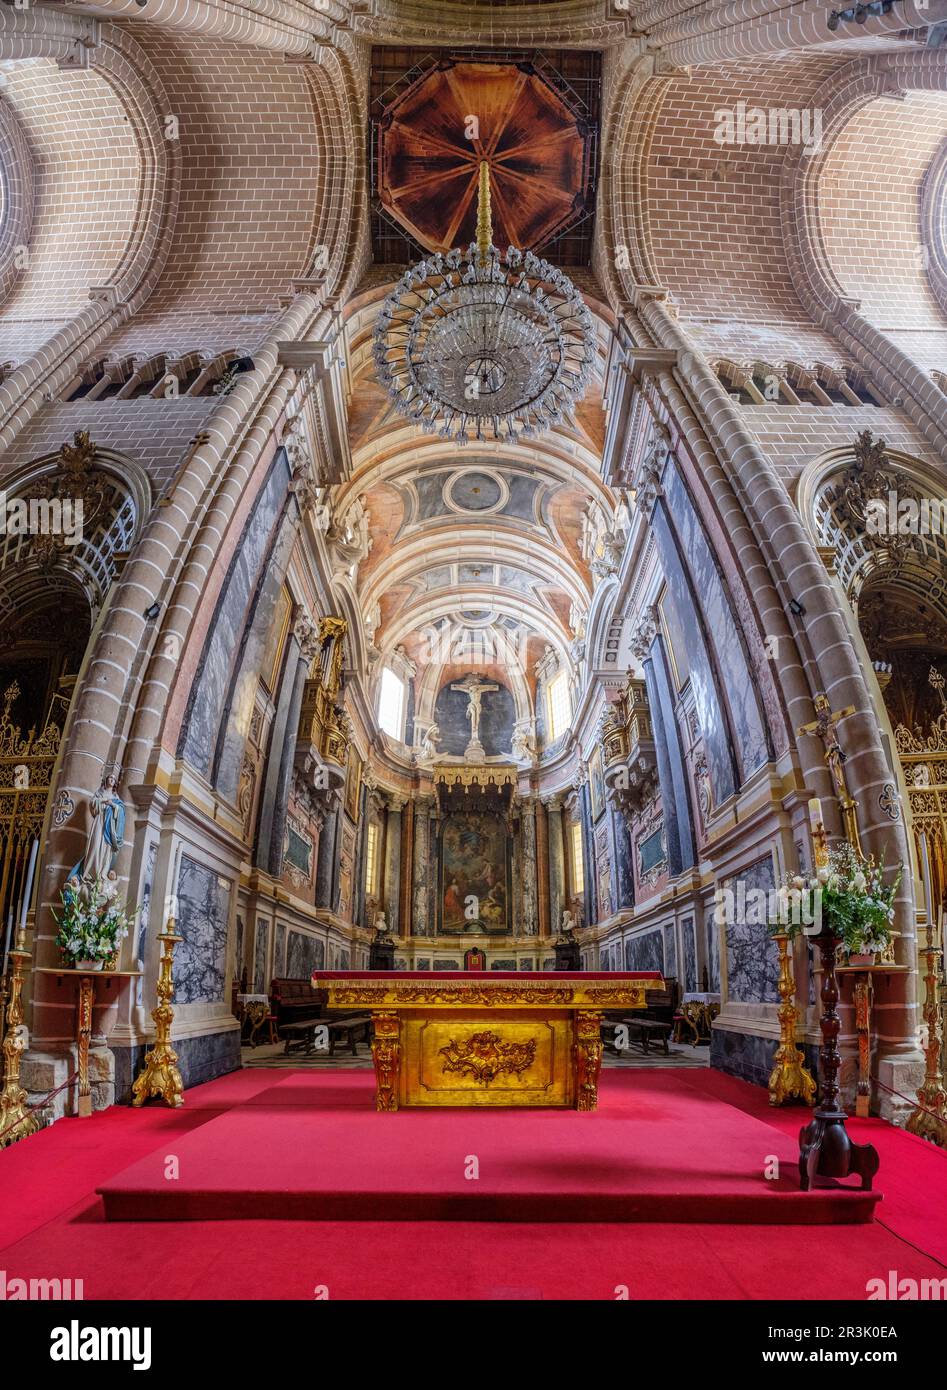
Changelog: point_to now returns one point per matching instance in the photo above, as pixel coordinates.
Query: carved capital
(645, 631)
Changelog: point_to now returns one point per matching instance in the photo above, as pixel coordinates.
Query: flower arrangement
(847, 896)
(92, 924)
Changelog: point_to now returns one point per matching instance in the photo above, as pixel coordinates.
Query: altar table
(497, 1038)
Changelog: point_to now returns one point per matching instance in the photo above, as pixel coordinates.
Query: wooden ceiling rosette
(433, 137)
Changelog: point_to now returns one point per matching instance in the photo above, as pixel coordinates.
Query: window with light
(578, 865)
(371, 860)
(558, 706)
(391, 704)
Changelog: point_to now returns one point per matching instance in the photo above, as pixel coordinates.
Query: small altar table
(87, 981)
(497, 1038)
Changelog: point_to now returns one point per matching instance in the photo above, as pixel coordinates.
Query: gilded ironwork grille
(26, 771)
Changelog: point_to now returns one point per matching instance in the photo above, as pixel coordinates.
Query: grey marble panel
(670, 951)
(720, 624)
(205, 710)
(447, 965)
(681, 606)
(752, 966)
(690, 956)
(645, 951)
(304, 954)
(279, 949)
(625, 874)
(203, 917)
(503, 965)
(242, 694)
(713, 952)
(200, 1059)
(751, 1057)
(260, 952)
(144, 919)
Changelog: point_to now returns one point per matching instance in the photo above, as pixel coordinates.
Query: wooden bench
(610, 1027)
(301, 1035)
(641, 1029)
(648, 1028)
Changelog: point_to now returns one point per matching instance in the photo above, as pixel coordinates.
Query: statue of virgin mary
(106, 835)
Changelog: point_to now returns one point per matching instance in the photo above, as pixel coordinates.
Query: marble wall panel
(752, 966)
(203, 918)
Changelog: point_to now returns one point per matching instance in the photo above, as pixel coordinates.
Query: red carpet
(52, 1225)
(313, 1148)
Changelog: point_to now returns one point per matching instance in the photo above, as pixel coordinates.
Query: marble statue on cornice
(349, 539)
(428, 749)
(521, 743)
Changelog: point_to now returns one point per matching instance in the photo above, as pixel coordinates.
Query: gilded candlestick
(160, 1076)
(929, 1117)
(790, 1079)
(16, 1121)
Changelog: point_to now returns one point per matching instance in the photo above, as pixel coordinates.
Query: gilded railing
(923, 757)
(26, 771)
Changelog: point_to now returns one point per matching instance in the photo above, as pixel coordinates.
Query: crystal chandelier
(475, 345)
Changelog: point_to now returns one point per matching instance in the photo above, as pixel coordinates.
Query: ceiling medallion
(475, 345)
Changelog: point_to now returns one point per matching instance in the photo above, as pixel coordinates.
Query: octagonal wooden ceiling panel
(540, 155)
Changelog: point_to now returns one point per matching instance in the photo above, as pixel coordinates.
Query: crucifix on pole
(824, 727)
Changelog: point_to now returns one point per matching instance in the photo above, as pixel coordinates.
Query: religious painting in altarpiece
(474, 875)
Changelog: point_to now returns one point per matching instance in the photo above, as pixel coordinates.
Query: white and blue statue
(106, 837)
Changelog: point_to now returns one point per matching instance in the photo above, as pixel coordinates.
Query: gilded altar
(497, 1039)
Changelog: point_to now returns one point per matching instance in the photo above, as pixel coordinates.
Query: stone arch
(90, 564)
(823, 279)
(896, 586)
(16, 197)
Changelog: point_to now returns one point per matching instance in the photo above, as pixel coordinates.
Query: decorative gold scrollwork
(485, 1056)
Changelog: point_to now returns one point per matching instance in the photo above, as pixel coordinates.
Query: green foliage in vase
(848, 897)
(92, 923)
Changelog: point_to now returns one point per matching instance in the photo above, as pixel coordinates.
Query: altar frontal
(508, 1039)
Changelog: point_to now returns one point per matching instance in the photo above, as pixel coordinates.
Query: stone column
(421, 912)
(279, 771)
(326, 855)
(391, 877)
(624, 877)
(365, 808)
(528, 860)
(557, 865)
(542, 869)
(407, 862)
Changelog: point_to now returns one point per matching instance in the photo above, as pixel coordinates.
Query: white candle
(6, 944)
(29, 884)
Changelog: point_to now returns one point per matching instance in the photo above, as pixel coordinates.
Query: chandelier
(475, 345)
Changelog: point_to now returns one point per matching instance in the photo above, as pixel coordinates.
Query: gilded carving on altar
(485, 1056)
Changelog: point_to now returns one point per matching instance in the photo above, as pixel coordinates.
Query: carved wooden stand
(826, 1153)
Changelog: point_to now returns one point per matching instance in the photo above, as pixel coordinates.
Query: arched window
(558, 706)
(392, 701)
